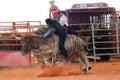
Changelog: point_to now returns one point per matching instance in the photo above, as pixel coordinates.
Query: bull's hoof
(85, 70)
(54, 64)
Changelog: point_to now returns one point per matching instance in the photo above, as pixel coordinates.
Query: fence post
(117, 34)
(93, 41)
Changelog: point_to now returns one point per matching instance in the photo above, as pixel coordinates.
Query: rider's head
(48, 21)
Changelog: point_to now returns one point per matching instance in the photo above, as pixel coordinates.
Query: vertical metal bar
(117, 34)
(93, 40)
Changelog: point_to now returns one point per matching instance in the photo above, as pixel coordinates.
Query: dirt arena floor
(64, 71)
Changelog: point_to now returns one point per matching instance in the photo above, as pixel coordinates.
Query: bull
(75, 46)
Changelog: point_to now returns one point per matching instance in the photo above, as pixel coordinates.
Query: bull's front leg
(42, 61)
(54, 55)
(55, 48)
(54, 60)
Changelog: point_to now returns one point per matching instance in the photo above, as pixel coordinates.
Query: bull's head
(26, 44)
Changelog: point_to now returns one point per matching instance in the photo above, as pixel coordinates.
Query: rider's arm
(48, 33)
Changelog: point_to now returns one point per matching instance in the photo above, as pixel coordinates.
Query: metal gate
(100, 25)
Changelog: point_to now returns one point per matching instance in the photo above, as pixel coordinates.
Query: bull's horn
(22, 35)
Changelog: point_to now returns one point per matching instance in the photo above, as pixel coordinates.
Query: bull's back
(75, 44)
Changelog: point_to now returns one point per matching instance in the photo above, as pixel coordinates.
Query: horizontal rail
(105, 35)
(20, 21)
(106, 48)
(104, 29)
(23, 27)
(14, 32)
(103, 54)
(94, 30)
(82, 30)
(10, 45)
(107, 42)
(10, 39)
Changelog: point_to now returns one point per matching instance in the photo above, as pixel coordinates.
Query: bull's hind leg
(87, 64)
(85, 61)
(81, 63)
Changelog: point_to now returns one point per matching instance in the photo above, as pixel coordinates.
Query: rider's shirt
(63, 20)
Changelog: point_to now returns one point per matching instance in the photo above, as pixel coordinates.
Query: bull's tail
(86, 40)
(85, 47)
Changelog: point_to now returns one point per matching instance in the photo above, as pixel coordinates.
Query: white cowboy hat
(51, 1)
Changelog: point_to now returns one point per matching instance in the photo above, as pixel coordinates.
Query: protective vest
(60, 30)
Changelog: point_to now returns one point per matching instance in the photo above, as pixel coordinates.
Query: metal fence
(103, 40)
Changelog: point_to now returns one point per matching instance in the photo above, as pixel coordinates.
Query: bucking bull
(75, 46)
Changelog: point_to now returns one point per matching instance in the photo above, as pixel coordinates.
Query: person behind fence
(64, 22)
(53, 11)
(55, 27)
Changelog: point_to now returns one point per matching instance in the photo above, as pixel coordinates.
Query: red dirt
(100, 71)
